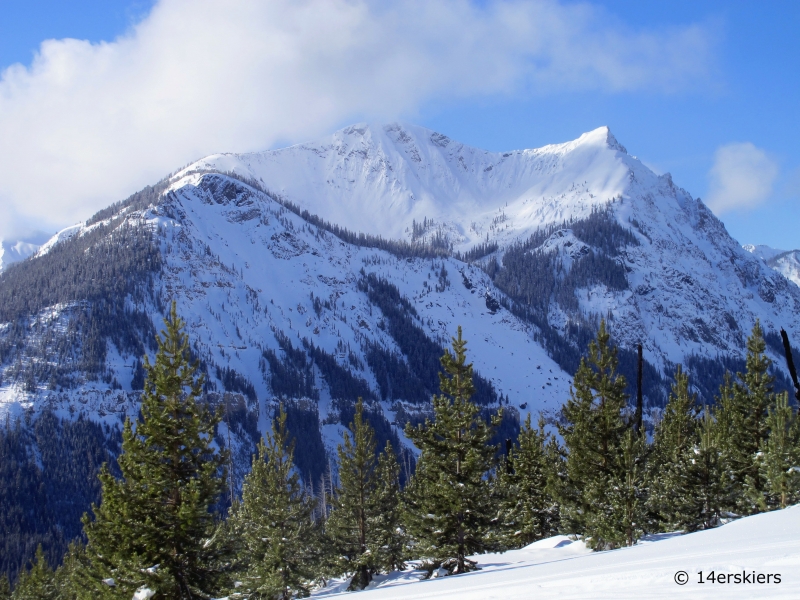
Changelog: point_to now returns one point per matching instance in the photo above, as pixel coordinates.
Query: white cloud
(742, 177)
(86, 124)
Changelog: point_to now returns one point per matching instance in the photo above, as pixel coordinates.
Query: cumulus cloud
(86, 124)
(742, 177)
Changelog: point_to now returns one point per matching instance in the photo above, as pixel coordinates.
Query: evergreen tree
(5, 587)
(779, 460)
(38, 583)
(273, 523)
(714, 478)
(65, 575)
(743, 409)
(627, 494)
(155, 526)
(674, 477)
(598, 456)
(388, 538)
(448, 499)
(350, 523)
(527, 510)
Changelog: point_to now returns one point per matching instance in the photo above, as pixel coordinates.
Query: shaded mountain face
(333, 270)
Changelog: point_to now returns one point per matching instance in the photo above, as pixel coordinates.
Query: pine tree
(779, 460)
(274, 523)
(527, 510)
(598, 456)
(5, 587)
(743, 408)
(38, 583)
(388, 543)
(448, 499)
(627, 494)
(672, 472)
(64, 579)
(350, 523)
(715, 488)
(155, 526)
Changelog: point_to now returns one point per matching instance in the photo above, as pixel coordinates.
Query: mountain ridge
(785, 262)
(297, 291)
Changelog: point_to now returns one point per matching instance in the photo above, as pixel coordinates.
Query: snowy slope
(243, 268)
(691, 288)
(267, 262)
(766, 544)
(12, 251)
(380, 179)
(765, 253)
(787, 263)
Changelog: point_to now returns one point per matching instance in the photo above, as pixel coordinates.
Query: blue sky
(714, 101)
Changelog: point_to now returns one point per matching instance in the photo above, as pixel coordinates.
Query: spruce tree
(350, 523)
(779, 459)
(273, 523)
(38, 583)
(715, 488)
(672, 470)
(64, 579)
(744, 405)
(627, 494)
(598, 456)
(527, 510)
(448, 499)
(388, 542)
(154, 527)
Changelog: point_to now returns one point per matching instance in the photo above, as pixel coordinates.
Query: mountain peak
(15, 250)
(601, 136)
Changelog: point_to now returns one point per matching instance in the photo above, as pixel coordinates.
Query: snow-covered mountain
(383, 179)
(560, 236)
(787, 263)
(12, 251)
(689, 288)
(762, 251)
(331, 270)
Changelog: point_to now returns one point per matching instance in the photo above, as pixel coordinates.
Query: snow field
(557, 567)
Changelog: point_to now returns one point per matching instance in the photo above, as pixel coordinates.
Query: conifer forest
(169, 525)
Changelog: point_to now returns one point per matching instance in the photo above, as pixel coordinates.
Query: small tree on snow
(350, 523)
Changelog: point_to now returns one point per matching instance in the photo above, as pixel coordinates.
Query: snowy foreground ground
(559, 568)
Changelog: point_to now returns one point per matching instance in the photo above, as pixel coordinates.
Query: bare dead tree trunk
(639, 400)
(787, 349)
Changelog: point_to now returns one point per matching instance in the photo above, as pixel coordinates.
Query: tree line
(158, 531)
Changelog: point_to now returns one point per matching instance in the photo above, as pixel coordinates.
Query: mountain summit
(687, 285)
(383, 179)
